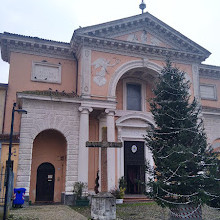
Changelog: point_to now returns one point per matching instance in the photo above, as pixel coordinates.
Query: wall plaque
(46, 72)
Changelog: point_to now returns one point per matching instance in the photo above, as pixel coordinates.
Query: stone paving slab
(46, 212)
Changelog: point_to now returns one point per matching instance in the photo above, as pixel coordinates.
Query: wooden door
(134, 166)
(45, 182)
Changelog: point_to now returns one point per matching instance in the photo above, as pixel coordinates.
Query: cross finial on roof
(142, 6)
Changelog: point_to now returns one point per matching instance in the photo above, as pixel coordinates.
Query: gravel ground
(45, 212)
(148, 211)
(142, 211)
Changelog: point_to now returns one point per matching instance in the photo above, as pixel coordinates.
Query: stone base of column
(68, 199)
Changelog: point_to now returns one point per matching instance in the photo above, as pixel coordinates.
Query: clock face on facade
(133, 148)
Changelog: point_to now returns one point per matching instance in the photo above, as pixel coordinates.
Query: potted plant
(118, 193)
(78, 189)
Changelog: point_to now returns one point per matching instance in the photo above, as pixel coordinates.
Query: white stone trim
(211, 124)
(136, 131)
(42, 75)
(195, 73)
(143, 92)
(21, 95)
(210, 113)
(94, 103)
(86, 73)
(41, 116)
(126, 67)
(213, 86)
(110, 120)
(83, 156)
(98, 104)
(138, 115)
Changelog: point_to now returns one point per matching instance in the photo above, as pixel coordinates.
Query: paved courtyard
(46, 212)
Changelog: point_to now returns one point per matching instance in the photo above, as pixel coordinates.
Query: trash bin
(18, 197)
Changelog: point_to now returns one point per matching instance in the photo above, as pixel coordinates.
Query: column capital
(110, 111)
(85, 109)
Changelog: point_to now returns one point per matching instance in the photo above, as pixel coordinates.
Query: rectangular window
(133, 97)
(208, 92)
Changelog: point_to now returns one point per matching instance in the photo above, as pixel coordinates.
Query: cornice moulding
(145, 20)
(21, 95)
(93, 103)
(206, 110)
(209, 71)
(99, 104)
(133, 48)
(31, 45)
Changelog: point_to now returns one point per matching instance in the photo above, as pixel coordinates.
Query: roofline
(141, 17)
(137, 48)
(209, 71)
(33, 45)
(36, 39)
(3, 86)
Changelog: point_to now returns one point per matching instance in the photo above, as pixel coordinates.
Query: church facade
(102, 78)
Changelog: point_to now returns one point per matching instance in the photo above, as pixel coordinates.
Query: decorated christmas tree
(185, 170)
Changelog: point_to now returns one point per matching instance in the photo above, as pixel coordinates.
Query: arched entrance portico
(132, 86)
(48, 168)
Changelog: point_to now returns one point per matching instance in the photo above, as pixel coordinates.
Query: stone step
(135, 199)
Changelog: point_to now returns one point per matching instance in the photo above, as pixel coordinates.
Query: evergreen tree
(185, 169)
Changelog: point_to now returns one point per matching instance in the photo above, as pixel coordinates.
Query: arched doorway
(48, 166)
(45, 182)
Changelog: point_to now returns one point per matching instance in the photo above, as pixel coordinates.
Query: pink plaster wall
(20, 80)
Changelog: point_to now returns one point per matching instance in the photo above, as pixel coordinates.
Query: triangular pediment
(143, 29)
(144, 37)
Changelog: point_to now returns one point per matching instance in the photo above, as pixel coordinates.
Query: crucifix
(104, 144)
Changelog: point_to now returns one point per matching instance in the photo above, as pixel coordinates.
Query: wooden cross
(104, 145)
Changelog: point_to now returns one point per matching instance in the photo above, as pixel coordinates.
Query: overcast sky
(199, 20)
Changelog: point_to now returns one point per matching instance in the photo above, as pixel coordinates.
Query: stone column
(111, 152)
(83, 150)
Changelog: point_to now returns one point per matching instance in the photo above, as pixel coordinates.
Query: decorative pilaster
(111, 151)
(83, 150)
(195, 71)
(86, 73)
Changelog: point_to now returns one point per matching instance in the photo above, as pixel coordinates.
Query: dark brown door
(45, 182)
(134, 160)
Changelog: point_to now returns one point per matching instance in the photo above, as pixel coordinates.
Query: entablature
(209, 71)
(33, 45)
(132, 48)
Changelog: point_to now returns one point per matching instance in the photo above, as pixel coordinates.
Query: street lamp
(9, 164)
